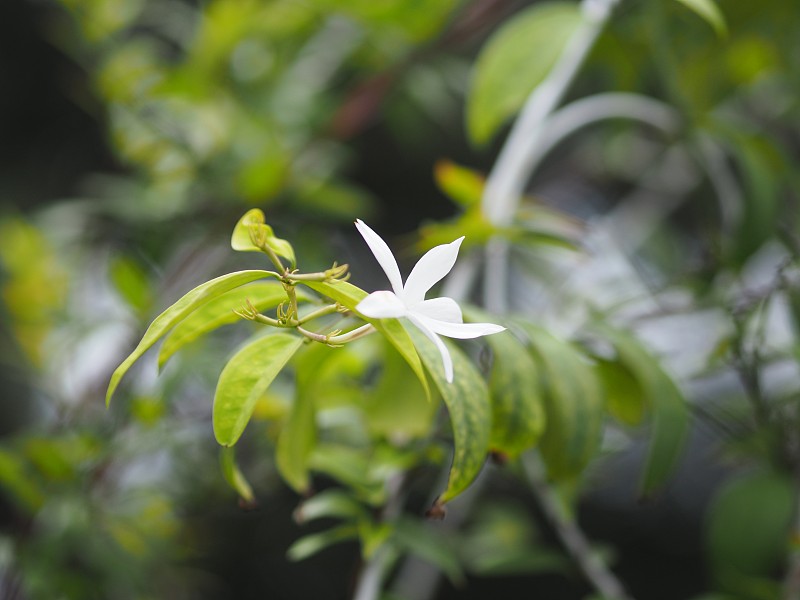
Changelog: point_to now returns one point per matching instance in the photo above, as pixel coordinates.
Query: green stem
(320, 312)
(571, 536)
(292, 317)
(273, 257)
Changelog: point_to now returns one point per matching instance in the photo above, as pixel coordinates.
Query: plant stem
(369, 580)
(320, 312)
(595, 571)
(507, 179)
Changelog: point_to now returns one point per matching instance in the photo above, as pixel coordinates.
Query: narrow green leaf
(573, 402)
(311, 544)
(350, 466)
(234, 477)
(709, 12)
(349, 296)
(178, 311)
(514, 61)
(254, 220)
(332, 503)
(429, 545)
(467, 400)
(518, 417)
(665, 401)
(245, 378)
(219, 312)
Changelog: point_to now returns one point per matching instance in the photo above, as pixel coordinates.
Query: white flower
(434, 317)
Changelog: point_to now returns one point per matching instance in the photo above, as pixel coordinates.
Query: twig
(507, 179)
(575, 543)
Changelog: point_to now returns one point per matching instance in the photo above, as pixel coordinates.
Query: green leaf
(311, 544)
(763, 171)
(749, 524)
(330, 504)
(15, 479)
(350, 466)
(428, 544)
(219, 312)
(245, 378)
(254, 221)
(349, 296)
(396, 407)
(624, 396)
(179, 311)
(461, 184)
(573, 402)
(665, 401)
(514, 61)
(709, 12)
(518, 417)
(131, 282)
(467, 400)
(299, 433)
(234, 477)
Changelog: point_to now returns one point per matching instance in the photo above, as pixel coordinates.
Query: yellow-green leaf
(179, 311)
(461, 184)
(219, 312)
(234, 476)
(514, 61)
(467, 400)
(245, 378)
(254, 221)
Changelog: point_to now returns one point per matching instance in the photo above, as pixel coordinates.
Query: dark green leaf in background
(709, 12)
(663, 398)
(748, 528)
(573, 401)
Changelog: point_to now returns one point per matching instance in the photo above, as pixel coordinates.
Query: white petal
(382, 305)
(447, 360)
(440, 309)
(383, 255)
(435, 264)
(461, 331)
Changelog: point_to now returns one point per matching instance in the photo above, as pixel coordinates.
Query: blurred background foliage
(136, 132)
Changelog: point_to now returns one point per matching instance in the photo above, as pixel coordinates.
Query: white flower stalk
(434, 317)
